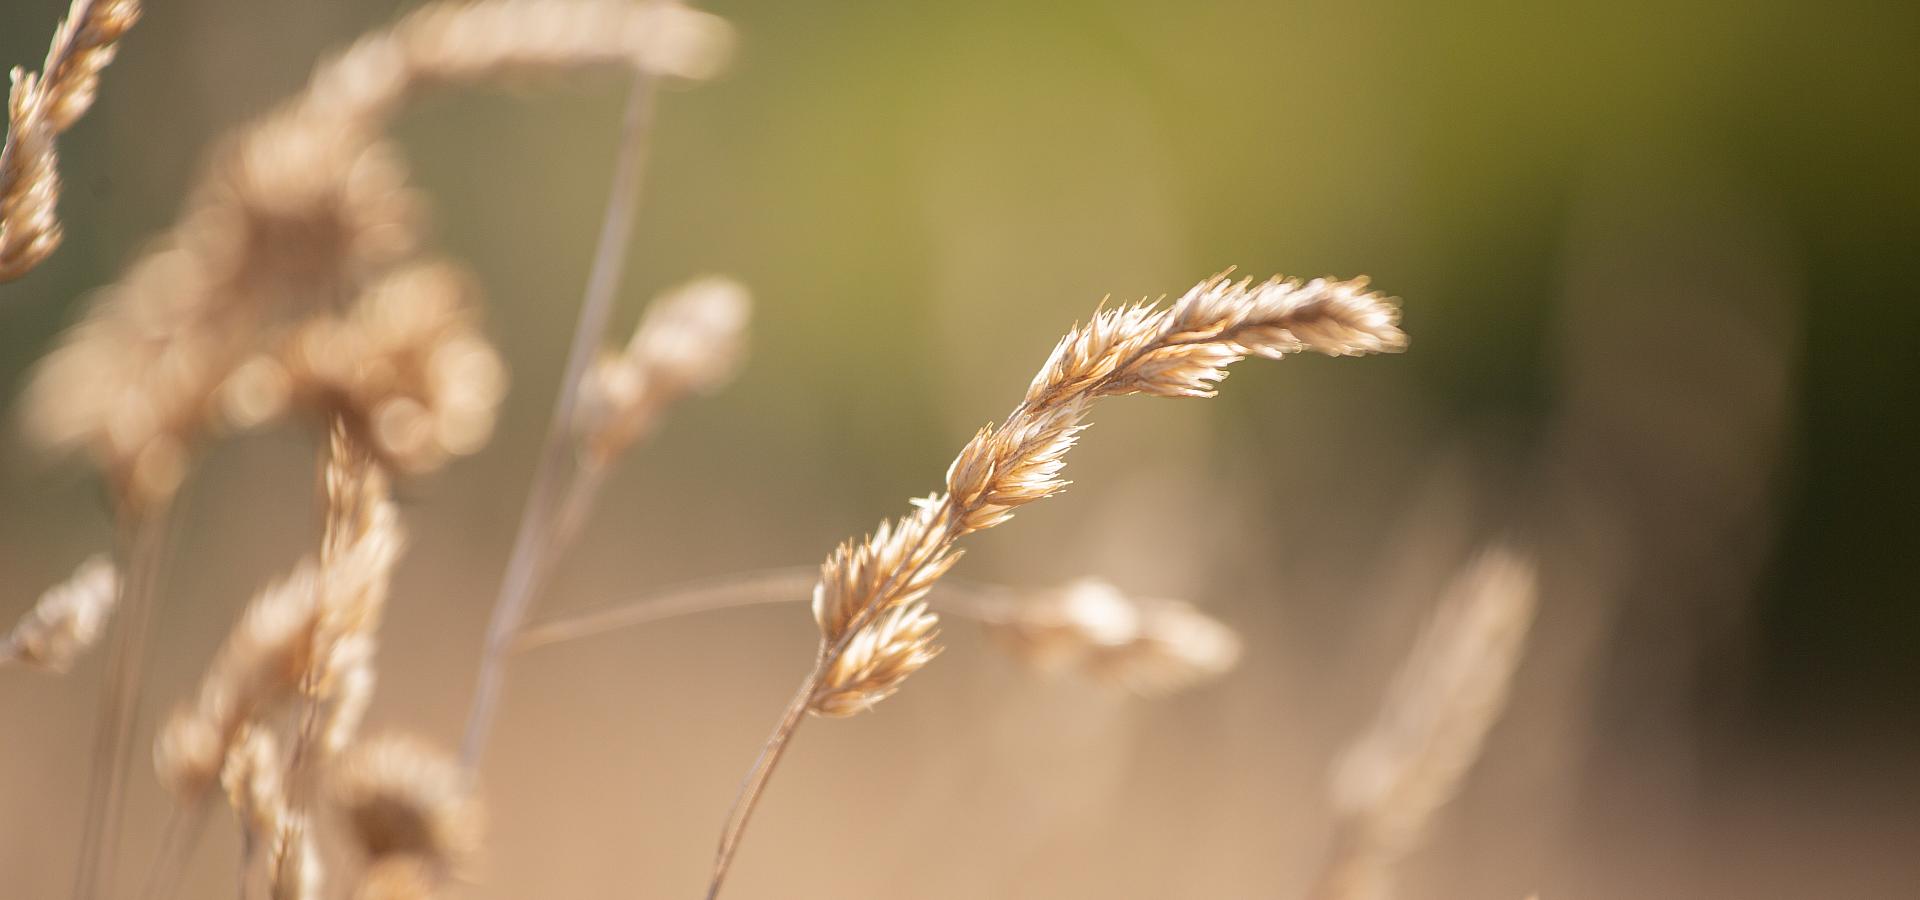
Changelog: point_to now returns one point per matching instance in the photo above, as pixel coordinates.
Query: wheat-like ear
(40, 107)
(254, 777)
(868, 596)
(66, 621)
(689, 341)
(309, 635)
(412, 812)
(1180, 351)
(1143, 645)
(1447, 695)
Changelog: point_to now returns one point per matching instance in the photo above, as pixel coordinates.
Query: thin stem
(776, 586)
(986, 603)
(776, 747)
(145, 538)
(582, 490)
(527, 565)
(756, 781)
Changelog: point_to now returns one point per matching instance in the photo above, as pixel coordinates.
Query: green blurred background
(1657, 260)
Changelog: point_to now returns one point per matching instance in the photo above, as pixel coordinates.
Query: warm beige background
(1657, 264)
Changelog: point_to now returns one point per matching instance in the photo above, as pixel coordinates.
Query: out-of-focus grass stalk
(534, 547)
(144, 537)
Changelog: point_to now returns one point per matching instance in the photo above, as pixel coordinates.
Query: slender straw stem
(982, 602)
(531, 555)
(776, 747)
(582, 490)
(756, 781)
(145, 538)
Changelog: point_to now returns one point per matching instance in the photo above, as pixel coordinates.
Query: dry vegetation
(298, 280)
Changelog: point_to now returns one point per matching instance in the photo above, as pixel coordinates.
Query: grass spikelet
(66, 621)
(309, 635)
(408, 804)
(260, 663)
(40, 107)
(405, 367)
(877, 660)
(253, 777)
(1448, 694)
(1145, 646)
(689, 341)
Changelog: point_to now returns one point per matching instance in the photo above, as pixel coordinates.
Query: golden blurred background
(1657, 264)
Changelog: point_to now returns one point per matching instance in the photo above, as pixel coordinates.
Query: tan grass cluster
(296, 276)
(303, 654)
(254, 780)
(66, 621)
(40, 107)
(301, 658)
(310, 636)
(1447, 695)
(690, 341)
(412, 813)
(1146, 646)
(1179, 351)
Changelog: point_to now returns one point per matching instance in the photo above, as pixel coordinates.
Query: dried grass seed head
(405, 366)
(1143, 645)
(295, 868)
(404, 798)
(1181, 351)
(1447, 695)
(311, 633)
(262, 660)
(66, 621)
(40, 107)
(689, 341)
(876, 660)
(255, 784)
(892, 568)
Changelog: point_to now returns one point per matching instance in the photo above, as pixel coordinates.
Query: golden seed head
(404, 798)
(1447, 696)
(1181, 351)
(689, 341)
(254, 780)
(66, 621)
(40, 107)
(1142, 645)
(877, 659)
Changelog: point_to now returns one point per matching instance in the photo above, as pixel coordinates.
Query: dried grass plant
(40, 107)
(1448, 694)
(295, 279)
(66, 621)
(1144, 645)
(875, 629)
(299, 283)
